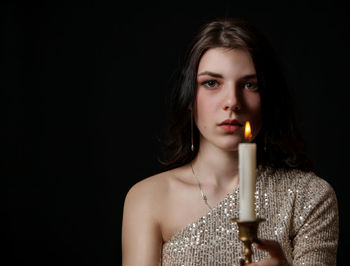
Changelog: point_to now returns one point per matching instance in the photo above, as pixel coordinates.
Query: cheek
(207, 101)
(202, 107)
(254, 104)
(255, 110)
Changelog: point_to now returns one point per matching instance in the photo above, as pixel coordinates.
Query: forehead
(226, 61)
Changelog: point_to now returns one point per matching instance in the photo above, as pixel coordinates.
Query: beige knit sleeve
(315, 223)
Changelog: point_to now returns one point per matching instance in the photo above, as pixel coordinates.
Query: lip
(230, 125)
(233, 122)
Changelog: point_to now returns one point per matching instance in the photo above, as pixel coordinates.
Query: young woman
(183, 216)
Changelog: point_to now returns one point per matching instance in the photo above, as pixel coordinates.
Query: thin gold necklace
(204, 197)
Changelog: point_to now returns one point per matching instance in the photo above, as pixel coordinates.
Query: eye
(250, 85)
(210, 84)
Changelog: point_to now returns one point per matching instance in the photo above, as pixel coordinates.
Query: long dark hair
(280, 143)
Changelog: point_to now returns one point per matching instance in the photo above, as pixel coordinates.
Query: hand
(277, 257)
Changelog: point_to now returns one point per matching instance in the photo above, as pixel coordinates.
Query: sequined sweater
(301, 213)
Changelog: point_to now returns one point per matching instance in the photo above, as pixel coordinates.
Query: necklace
(204, 197)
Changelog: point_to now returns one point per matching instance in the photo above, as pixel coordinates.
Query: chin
(230, 143)
(230, 147)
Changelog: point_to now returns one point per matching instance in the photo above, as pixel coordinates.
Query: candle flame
(247, 131)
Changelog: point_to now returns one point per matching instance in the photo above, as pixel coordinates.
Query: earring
(192, 146)
(265, 142)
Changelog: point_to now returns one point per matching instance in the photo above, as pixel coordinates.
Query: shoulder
(299, 179)
(154, 190)
(310, 181)
(299, 185)
(147, 190)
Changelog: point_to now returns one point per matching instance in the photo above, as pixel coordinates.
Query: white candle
(247, 180)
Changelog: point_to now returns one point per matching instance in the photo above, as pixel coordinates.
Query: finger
(267, 262)
(270, 246)
(241, 262)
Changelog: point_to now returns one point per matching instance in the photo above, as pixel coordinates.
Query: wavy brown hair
(280, 143)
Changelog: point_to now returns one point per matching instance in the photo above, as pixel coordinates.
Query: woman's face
(227, 97)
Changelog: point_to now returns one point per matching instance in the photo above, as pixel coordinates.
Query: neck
(216, 166)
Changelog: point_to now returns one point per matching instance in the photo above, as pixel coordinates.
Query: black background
(85, 90)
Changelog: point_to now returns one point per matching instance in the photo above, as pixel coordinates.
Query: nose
(231, 99)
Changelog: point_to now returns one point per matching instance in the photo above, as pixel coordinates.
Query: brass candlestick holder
(248, 230)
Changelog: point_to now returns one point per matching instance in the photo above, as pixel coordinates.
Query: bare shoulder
(141, 227)
(154, 191)
(145, 205)
(150, 188)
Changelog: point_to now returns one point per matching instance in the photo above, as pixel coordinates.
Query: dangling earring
(265, 142)
(192, 146)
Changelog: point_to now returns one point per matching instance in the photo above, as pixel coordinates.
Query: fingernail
(257, 240)
(241, 262)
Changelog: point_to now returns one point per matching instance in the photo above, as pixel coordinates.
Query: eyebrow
(251, 76)
(216, 75)
(212, 74)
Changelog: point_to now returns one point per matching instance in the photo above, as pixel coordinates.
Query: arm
(141, 236)
(316, 225)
